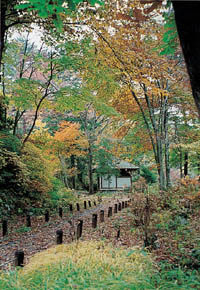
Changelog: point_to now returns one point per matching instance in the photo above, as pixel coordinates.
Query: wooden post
(78, 207)
(89, 203)
(79, 229)
(28, 220)
(4, 227)
(59, 237)
(19, 258)
(60, 212)
(102, 216)
(46, 216)
(122, 204)
(85, 204)
(71, 207)
(115, 208)
(94, 220)
(109, 211)
(119, 206)
(118, 234)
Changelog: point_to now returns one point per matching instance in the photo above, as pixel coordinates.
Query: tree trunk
(167, 165)
(90, 173)
(181, 163)
(185, 164)
(160, 162)
(198, 156)
(73, 177)
(188, 26)
(156, 135)
(3, 10)
(64, 172)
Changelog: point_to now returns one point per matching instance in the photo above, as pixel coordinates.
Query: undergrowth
(95, 265)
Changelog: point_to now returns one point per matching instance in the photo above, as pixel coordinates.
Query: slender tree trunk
(64, 170)
(167, 165)
(37, 110)
(3, 105)
(185, 163)
(90, 173)
(3, 10)
(160, 164)
(181, 163)
(16, 122)
(73, 177)
(198, 156)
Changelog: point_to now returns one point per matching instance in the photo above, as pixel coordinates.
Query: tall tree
(47, 13)
(93, 126)
(188, 26)
(129, 48)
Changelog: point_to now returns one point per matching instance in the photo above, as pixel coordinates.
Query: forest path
(43, 235)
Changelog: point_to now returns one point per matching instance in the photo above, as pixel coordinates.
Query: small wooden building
(121, 181)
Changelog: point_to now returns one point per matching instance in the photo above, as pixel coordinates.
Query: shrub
(148, 175)
(25, 180)
(14, 180)
(59, 194)
(39, 168)
(9, 142)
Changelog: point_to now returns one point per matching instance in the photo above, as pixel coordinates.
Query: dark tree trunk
(186, 164)
(181, 164)
(3, 10)
(188, 27)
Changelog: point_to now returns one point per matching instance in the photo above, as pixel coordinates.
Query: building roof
(122, 164)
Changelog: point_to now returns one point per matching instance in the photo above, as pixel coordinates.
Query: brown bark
(188, 27)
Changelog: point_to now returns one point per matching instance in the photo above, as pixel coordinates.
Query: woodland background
(85, 83)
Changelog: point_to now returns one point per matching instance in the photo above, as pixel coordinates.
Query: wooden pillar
(115, 208)
(78, 207)
(19, 258)
(4, 227)
(102, 216)
(60, 212)
(109, 211)
(46, 216)
(59, 237)
(28, 220)
(79, 229)
(118, 234)
(94, 220)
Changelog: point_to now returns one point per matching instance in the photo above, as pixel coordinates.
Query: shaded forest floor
(177, 239)
(42, 235)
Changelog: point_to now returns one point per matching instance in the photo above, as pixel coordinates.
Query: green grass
(95, 265)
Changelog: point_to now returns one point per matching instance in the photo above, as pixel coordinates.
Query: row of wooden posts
(46, 215)
(19, 255)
